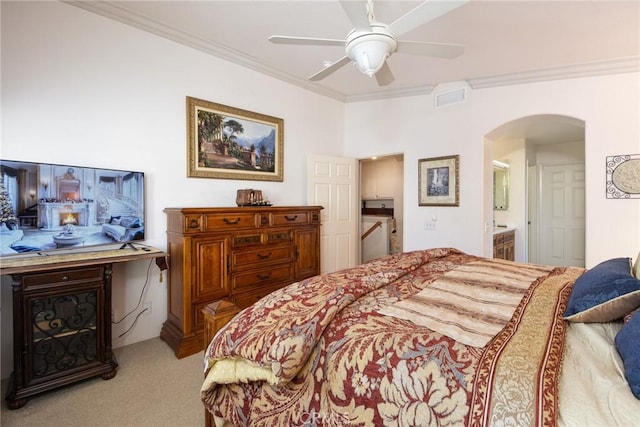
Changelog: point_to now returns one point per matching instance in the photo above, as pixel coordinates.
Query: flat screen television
(50, 207)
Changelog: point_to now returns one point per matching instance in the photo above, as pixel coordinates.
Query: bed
(434, 337)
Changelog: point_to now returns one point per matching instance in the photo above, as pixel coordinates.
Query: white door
(332, 182)
(562, 215)
(532, 215)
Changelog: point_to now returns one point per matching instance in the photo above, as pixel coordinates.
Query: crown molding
(118, 12)
(599, 68)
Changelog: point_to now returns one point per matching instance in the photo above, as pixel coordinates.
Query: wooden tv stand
(62, 317)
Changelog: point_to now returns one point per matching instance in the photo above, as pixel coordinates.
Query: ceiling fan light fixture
(369, 57)
(369, 51)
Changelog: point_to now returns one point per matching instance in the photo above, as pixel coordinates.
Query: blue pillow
(628, 345)
(604, 293)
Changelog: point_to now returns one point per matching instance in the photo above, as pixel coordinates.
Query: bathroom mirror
(500, 186)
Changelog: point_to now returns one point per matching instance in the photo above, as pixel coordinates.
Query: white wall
(609, 106)
(80, 89)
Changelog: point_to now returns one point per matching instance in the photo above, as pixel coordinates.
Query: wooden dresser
(237, 254)
(504, 245)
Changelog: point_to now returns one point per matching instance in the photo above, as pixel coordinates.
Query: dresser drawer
(291, 218)
(259, 278)
(67, 276)
(265, 255)
(280, 236)
(231, 221)
(193, 223)
(241, 240)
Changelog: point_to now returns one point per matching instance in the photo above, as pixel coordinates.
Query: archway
(545, 154)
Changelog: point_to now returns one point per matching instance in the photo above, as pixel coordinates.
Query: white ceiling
(506, 42)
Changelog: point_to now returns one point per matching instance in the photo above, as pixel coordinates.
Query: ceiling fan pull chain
(370, 15)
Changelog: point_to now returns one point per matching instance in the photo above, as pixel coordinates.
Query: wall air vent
(451, 97)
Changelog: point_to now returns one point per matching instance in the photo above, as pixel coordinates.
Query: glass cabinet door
(65, 333)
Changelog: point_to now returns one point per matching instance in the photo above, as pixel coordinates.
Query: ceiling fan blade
(330, 69)
(357, 13)
(306, 41)
(423, 13)
(384, 76)
(437, 50)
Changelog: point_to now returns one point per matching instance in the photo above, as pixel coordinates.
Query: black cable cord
(132, 325)
(139, 301)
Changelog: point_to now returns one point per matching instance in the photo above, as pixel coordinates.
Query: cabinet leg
(16, 404)
(109, 375)
(114, 367)
(12, 402)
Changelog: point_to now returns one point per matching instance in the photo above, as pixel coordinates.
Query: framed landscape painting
(231, 143)
(438, 182)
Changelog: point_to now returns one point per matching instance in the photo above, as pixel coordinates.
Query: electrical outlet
(430, 225)
(146, 308)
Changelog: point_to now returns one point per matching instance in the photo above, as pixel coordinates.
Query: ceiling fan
(371, 42)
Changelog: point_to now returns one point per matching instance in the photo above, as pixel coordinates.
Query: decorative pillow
(115, 220)
(604, 293)
(628, 346)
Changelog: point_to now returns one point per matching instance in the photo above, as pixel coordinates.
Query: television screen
(48, 207)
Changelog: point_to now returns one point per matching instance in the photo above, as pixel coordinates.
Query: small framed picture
(438, 181)
(623, 176)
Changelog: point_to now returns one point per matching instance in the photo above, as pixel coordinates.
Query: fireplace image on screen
(48, 207)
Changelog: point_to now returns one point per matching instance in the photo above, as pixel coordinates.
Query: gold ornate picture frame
(231, 143)
(438, 181)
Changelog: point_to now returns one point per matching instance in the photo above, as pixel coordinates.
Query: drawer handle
(194, 223)
(264, 256)
(290, 218)
(65, 278)
(264, 276)
(231, 221)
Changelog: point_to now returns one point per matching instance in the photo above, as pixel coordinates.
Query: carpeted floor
(152, 388)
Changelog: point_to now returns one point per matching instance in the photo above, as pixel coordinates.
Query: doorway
(540, 150)
(382, 200)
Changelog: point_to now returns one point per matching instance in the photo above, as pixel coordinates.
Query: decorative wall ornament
(230, 143)
(623, 176)
(438, 181)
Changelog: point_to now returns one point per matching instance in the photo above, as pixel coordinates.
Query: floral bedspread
(319, 352)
